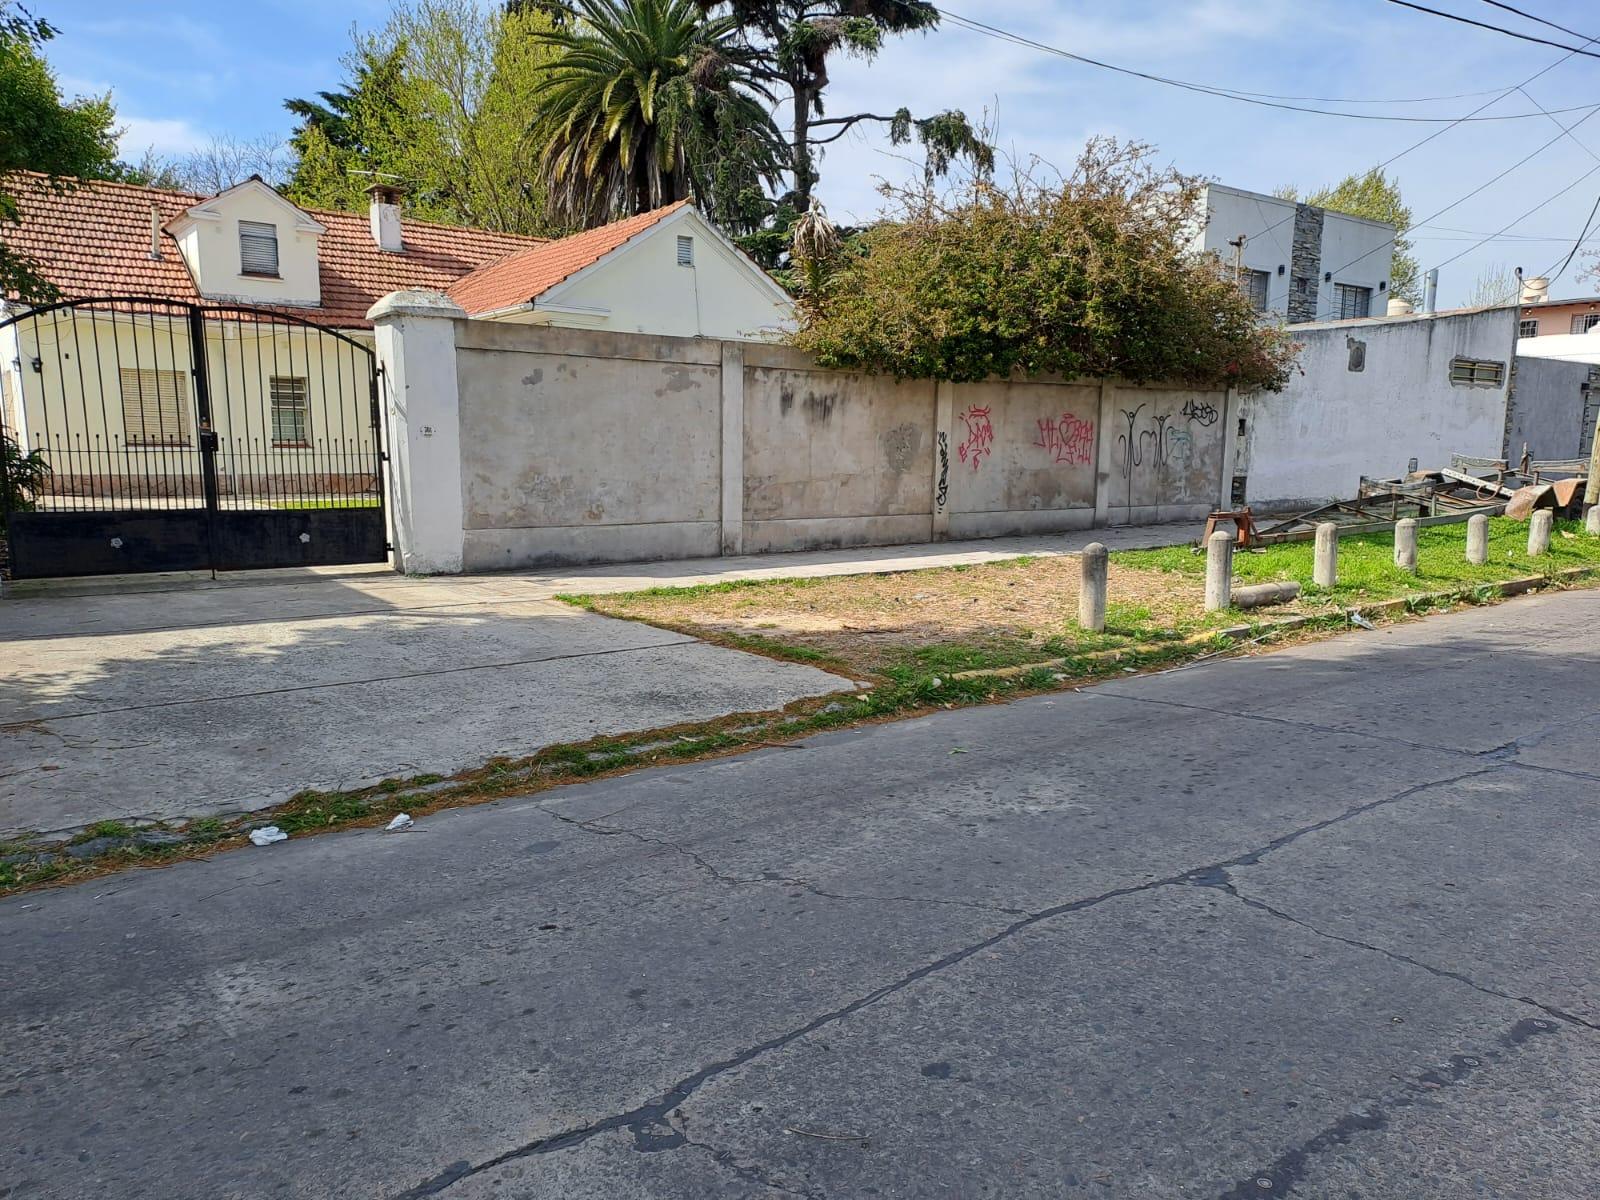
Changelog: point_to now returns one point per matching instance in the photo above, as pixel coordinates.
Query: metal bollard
(1219, 570)
(1405, 544)
(1325, 572)
(1092, 591)
(1478, 540)
(1539, 526)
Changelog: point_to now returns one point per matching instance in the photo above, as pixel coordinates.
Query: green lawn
(1366, 561)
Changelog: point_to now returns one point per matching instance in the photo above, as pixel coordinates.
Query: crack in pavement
(1222, 881)
(1291, 1168)
(655, 1114)
(1500, 754)
(748, 1172)
(768, 877)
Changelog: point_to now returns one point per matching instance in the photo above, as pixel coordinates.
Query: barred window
(155, 407)
(1528, 329)
(1584, 322)
(1254, 284)
(290, 426)
(1477, 372)
(1352, 301)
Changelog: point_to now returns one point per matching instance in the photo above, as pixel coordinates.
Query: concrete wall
(585, 446)
(1552, 409)
(1368, 397)
(1570, 347)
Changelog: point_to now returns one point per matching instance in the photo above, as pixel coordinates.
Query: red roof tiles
(94, 240)
(520, 277)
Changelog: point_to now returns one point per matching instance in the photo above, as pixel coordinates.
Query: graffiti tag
(1130, 449)
(1200, 412)
(1068, 440)
(943, 494)
(979, 443)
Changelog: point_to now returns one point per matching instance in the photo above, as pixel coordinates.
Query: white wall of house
(1354, 250)
(1573, 347)
(208, 238)
(1370, 396)
(642, 288)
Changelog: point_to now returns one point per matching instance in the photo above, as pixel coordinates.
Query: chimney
(155, 230)
(385, 216)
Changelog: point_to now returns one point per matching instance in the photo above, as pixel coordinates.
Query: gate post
(416, 339)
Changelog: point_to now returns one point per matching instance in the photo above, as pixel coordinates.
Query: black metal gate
(153, 435)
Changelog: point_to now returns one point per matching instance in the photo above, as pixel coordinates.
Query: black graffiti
(1159, 442)
(944, 471)
(1128, 446)
(1205, 414)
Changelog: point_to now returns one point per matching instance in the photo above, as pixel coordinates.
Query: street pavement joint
(651, 1122)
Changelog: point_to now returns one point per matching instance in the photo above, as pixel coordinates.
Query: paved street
(1317, 924)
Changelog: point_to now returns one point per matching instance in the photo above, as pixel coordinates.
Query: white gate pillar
(416, 339)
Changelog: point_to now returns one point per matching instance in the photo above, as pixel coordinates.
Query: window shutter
(686, 252)
(155, 407)
(258, 248)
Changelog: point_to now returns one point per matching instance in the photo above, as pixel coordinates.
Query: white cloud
(164, 135)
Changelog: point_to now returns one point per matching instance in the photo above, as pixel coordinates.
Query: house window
(1528, 329)
(1477, 372)
(686, 252)
(1584, 322)
(155, 407)
(289, 411)
(258, 248)
(1352, 301)
(1254, 285)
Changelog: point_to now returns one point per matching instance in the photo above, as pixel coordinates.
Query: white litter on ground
(267, 835)
(401, 821)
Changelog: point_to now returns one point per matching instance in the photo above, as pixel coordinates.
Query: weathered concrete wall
(1548, 407)
(1371, 395)
(580, 446)
(833, 457)
(585, 446)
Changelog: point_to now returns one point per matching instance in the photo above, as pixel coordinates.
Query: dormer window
(258, 248)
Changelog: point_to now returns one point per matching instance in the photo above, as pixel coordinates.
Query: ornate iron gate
(162, 436)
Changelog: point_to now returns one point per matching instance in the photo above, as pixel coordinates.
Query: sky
(183, 71)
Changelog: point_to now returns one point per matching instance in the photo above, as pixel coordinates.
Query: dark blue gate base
(49, 544)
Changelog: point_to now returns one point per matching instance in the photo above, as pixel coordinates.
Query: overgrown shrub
(21, 476)
(1088, 275)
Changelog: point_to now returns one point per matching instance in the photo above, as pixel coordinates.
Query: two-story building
(1296, 261)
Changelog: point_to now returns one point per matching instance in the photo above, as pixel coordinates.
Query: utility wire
(1527, 37)
(993, 31)
(1539, 20)
(1566, 262)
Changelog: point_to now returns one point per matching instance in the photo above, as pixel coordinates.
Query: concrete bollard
(1539, 526)
(1219, 571)
(1405, 545)
(1325, 573)
(1092, 591)
(1591, 521)
(1478, 540)
(1260, 595)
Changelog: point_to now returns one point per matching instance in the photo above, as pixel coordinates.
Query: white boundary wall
(527, 446)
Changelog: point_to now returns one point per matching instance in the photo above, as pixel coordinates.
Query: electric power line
(1526, 37)
(1539, 20)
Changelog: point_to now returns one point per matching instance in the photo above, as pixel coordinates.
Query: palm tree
(643, 103)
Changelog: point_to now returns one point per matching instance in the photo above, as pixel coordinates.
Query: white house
(1296, 261)
(128, 399)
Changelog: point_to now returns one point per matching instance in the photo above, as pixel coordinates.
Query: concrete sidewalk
(168, 698)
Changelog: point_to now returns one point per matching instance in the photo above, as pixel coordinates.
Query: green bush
(21, 477)
(1090, 275)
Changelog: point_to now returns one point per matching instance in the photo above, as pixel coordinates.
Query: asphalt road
(1318, 924)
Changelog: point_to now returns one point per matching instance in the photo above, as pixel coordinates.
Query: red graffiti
(979, 443)
(1069, 440)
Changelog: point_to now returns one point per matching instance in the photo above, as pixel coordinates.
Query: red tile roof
(94, 240)
(520, 277)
